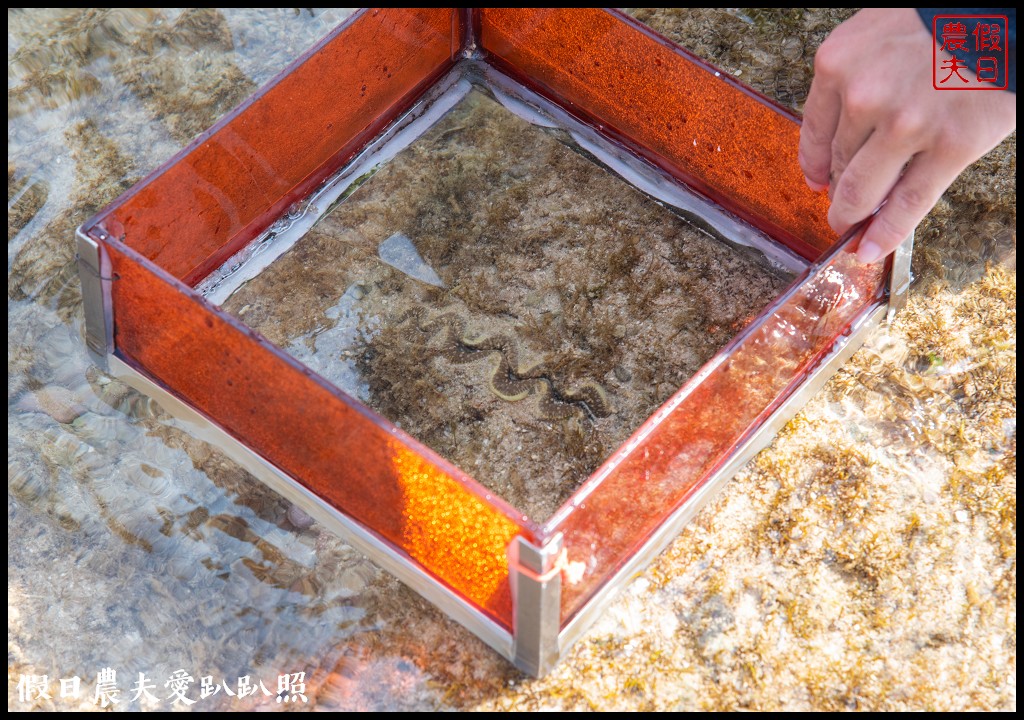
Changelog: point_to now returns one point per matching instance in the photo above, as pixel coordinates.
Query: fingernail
(813, 185)
(868, 252)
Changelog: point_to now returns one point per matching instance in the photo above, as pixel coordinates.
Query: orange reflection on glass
(697, 431)
(672, 107)
(356, 461)
(238, 177)
(456, 535)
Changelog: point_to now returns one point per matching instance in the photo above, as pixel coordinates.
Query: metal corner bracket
(536, 579)
(94, 273)
(900, 276)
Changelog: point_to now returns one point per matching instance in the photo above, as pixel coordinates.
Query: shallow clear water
(866, 560)
(509, 303)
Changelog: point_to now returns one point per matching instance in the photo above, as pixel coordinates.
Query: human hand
(876, 133)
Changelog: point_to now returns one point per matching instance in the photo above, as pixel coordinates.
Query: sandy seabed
(564, 307)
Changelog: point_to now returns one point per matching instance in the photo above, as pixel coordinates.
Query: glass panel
(505, 300)
(489, 239)
(713, 133)
(350, 458)
(242, 174)
(696, 431)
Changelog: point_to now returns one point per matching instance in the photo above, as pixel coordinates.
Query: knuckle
(860, 99)
(812, 132)
(840, 158)
(947, 135)
(907, 124)
(827, 61)
(954, 142)
(813, 154)
(888, 231)
(851, 193)
(909, 201)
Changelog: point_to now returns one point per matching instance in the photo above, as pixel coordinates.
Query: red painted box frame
(528, 589)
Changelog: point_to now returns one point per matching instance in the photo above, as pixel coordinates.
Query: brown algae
(543, 311)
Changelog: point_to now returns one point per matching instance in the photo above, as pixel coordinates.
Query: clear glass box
(160, 266)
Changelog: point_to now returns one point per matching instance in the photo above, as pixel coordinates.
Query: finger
(911, 198)
(866, 181)
(851, 134)
(821, 116)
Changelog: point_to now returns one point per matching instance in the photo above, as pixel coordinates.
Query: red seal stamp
(970, 52)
